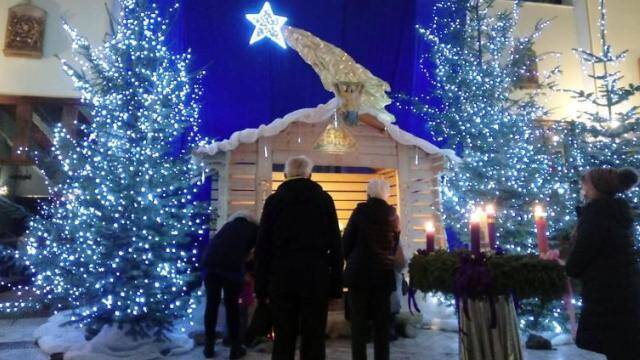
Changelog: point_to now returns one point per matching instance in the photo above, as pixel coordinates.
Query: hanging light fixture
(335, 139)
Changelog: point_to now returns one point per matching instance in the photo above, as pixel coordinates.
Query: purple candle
(490, 211)
(475, 231)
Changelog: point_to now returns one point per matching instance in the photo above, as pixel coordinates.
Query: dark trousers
(261, 323)
(214, 286)
(295, 315)
(375, 307)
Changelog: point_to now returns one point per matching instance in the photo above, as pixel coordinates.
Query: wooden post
(438, 164)
(223, 190)
(24, 115)
(404, 183)
(264, 171)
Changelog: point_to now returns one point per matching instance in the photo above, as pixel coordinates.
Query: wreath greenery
(524, 276)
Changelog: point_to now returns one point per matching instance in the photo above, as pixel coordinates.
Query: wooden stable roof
(376, 119)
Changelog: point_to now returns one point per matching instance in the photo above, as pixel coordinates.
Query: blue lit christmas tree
(479, 107)
(605, 134)
(481, 111)
(113, 244)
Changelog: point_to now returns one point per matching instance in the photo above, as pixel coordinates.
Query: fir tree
(113, 244)
(605, 134)
(482, 112)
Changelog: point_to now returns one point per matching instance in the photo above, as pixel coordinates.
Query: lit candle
(541, 229)
(490, 211)
(476, 217)
(431, 236)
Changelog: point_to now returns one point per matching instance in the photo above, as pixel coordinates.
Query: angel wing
(334, 66)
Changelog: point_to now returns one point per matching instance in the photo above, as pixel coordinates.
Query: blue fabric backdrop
(246, 86)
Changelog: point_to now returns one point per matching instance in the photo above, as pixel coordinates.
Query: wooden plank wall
(347, 190)
(242, 170)
(246, 178)
(418, 176)
(391, 175)
(217, 166)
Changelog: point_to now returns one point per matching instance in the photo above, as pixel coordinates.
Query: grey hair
(298, 166)
(378, 188)
(242, 214)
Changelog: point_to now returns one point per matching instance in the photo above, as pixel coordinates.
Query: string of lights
(605, 133)
(483, 112)
(113, 245)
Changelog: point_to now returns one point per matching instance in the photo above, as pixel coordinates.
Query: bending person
(223, 269)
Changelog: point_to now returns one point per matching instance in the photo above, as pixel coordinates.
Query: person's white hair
(298, 167)
(242, 214)
(378, 188)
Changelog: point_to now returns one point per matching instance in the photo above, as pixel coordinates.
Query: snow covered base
(436, 315)
(109, 344)
(558, 339)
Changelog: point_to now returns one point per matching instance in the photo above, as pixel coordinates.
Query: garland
(466, 275)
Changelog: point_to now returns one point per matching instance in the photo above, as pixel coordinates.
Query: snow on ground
(17, 342)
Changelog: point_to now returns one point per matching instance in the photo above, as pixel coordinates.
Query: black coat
(603, 258)
(298, 250)
(370, 242)
(228, 250)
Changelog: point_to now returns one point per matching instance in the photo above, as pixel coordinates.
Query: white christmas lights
(267, 25)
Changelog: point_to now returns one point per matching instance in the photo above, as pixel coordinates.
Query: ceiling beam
(13, 100)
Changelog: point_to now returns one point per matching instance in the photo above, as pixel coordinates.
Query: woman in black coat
(604, 259)
(370, 241)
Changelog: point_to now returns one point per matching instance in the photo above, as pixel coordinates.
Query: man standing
(299, 261)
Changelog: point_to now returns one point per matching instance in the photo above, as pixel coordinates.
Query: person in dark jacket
(370, 241)
(223, 270)
(299, 261)
(603, 258)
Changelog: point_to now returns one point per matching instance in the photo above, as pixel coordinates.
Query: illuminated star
(267, 25)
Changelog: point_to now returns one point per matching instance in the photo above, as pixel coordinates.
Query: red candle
(431, 236)
(490, 211)
(475, 231)
(541, 229)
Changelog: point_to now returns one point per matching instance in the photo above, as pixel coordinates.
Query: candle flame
(430, 227)
(539, 212)
(476, 216)
(490, 210)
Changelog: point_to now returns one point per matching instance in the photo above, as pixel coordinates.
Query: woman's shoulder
(611, 208)
(360, 207)
(607, 204)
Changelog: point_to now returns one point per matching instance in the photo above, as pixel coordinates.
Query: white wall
(623, 32)
(560, 37)
(44, 77)
(570, 29)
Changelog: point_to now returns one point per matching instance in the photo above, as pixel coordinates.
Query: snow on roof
(316, 115)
